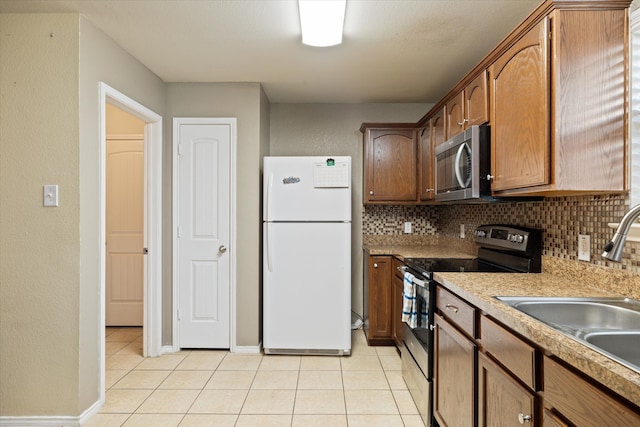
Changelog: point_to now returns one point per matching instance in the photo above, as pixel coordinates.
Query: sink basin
(578, 313)
(610, 326)
(624, 345)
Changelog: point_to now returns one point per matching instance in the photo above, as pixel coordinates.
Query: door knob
(222, 249)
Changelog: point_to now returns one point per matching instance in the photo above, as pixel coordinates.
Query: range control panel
(506, 237)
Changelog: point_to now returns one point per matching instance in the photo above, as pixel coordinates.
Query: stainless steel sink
(610, 326)
(623, 344)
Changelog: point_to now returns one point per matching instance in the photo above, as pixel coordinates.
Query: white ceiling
(392, 51)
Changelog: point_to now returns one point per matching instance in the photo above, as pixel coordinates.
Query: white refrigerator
(307, 255)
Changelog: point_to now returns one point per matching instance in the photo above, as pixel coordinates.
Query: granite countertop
(559, 278)
(480, 289)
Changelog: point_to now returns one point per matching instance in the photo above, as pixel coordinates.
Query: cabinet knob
(522, 418)
(371, 193)
(375, 265)
(490, 177)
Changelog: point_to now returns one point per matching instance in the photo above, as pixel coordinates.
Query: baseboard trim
(52, 421)
(248, 349)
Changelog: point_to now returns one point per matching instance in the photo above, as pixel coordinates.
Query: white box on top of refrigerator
(307, 255)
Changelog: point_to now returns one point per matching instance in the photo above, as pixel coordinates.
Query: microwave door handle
(457, 166)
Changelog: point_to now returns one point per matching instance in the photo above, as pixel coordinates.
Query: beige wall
(39, 246)
(245, 101)
(323, 129)
(50, 66)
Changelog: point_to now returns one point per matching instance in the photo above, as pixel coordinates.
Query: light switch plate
(462, 231)
(50, 195)
(584, 247)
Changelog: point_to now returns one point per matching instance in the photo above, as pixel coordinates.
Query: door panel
(204, 221)
(125, 232)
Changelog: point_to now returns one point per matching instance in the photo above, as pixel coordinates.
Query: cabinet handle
(375, 265)
(490, 177)
(522, 418)
(452, 308)
(463, 122)
(429, 190)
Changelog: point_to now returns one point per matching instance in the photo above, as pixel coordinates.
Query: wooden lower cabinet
(582, 403)
(502, 401)
(454, 376)
(397, 289)
(550, 419)
(378, 275)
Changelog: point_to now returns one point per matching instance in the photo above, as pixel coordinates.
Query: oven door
(416, 351)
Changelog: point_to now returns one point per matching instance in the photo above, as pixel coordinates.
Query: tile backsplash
(561, 220)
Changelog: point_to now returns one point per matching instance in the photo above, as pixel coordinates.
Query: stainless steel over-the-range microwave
(462, 165)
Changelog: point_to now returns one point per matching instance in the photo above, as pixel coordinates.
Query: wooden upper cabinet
(390, 165)
(558, 106)
(438, 124)
(476, 100)
(456, 120)
(470, 107)
(520, 91)
(425, 150)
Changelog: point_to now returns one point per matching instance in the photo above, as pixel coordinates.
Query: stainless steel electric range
(501, 249)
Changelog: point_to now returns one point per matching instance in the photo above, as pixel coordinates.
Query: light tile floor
(217, 388)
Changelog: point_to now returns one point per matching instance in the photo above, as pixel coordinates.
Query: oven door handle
(415, 280)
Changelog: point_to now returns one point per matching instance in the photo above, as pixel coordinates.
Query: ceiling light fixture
(322, 21)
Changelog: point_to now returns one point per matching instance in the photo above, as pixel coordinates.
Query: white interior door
(125, 232)
(203, 235)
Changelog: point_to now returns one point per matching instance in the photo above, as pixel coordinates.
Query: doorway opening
(152, 222)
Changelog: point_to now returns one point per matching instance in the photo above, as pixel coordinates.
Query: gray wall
(246, 102)
(333, 129)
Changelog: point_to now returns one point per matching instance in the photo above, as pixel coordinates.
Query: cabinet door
(502, 402)
(379, 330)
(476, 98)
(581, 401)
(426, 164)
(438, 128)
(454, 374)
(396, 301)
(549, 419)
(520, 91)
(391, 166)
(456, 120)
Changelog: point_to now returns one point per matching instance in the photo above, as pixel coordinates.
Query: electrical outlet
(462, 231)
(584, 247)
(407, 228)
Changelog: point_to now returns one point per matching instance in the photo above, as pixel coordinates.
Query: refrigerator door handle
(268, 241)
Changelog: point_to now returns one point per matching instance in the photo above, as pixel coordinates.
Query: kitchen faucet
(613, 249)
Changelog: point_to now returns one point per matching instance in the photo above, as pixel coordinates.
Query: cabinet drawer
(513, 353)
(581, 402)
(457, 311)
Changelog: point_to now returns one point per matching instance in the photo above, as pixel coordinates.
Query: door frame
(232, 123)
(152, 268)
